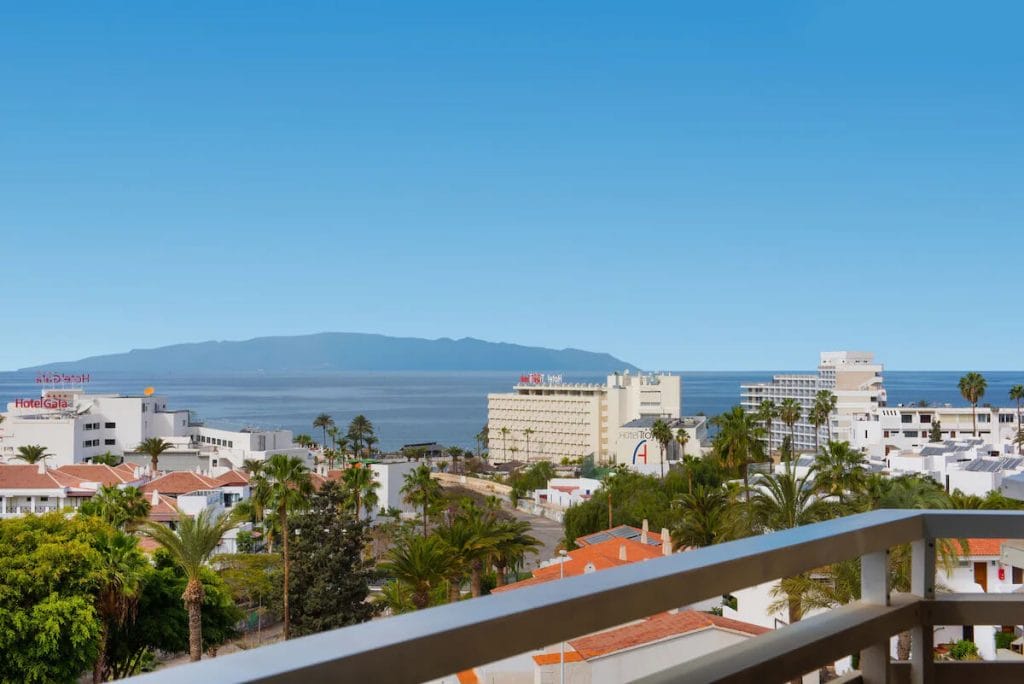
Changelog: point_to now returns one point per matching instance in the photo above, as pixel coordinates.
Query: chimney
(622, 552)
(643, 532)
(155, 499)
(666, 542)
(42, 467)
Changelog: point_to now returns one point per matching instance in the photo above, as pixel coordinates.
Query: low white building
(970, 465)
(910, 427)
(563, 492)
(636, 447)
(40, 489)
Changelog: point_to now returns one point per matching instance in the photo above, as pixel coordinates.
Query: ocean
(449, 408)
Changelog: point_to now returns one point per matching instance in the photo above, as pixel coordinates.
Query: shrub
(963, 650)
(1004, 639)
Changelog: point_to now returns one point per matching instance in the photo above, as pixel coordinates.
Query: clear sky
(685, 185)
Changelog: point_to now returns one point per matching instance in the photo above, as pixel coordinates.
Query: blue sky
(712, 186)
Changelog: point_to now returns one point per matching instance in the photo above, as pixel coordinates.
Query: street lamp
(561, 646)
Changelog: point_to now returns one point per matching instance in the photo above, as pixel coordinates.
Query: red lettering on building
(48, 378)
(53, 403)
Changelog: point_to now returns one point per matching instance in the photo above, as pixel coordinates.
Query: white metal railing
(440, 641)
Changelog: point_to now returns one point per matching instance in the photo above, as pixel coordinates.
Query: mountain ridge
(344, 351)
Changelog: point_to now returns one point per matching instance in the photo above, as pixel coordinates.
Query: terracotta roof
(97, 472)
(28, 477)
(985, 547)
(619, 531)
(232, 478)
(468, 677)
(317, 481)
(599, 556)
(127, 469)
(556, 658)
(163, 509)
(148, 544)
(180, 482)
(656, 628)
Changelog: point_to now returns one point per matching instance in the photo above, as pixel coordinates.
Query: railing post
(922, 583)
(874, 588)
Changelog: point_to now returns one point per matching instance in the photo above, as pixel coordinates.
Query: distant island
(344, 352)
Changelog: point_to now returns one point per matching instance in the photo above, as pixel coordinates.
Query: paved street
(547, 531)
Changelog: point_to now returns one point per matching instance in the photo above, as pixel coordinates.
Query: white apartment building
(853, 377)
(546, 418)
(75, 426)
(910, 427)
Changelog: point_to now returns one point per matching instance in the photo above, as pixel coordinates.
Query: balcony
(440, 641)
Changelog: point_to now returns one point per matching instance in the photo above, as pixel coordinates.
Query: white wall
(648, 659)
(392, 478)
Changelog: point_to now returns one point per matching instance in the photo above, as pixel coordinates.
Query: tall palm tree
(252, 466)
(816, 418)
(323, 421)
(790, 412)
(32, 453)
(420, 563)
(784, 501)
(481, 440)
(360, 487)
(825, 403)
(738, 442)
(767, 412)
(288, 489)
(662, 433)
(682, 438)
(359, 431)
(191, 545)
(972, 388)
(1017, 394)
(154, 447)
(504, 442)
(840, 470)
(303, 440)
(422, 491)
(705, 517)
(344, 444)
(124, 509)
(122, 569)
(527, 432)
(511, 548)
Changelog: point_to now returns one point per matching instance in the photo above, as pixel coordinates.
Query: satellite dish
(148, 391)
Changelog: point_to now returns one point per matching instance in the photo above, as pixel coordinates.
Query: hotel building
(853, 377)
(545, 418)
(75, 426)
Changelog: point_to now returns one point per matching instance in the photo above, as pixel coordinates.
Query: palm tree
(825, 403)
(153, 447)
(481, 440)
(333, 434)
(191, 545)
(288, 489)
(784, 501)
(360, 486)
(767, 412)
(323, 421)
(422, 491)
(705, 518)
(122, 568)
(972, 388)
(527, 432)
(359, 431)
(124, 509)
(1017, 394)
(662, 433)
(504, 443)
(420, 563)
(682, 437)
(840, 469)
(303, 440)
(790, 412)
(253, 467)
(344, 443)
(816, 418)
(514, 544)
(738, 442)
(455, 453)
(32, 453)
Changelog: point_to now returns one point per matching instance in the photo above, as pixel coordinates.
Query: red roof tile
(468, 677)
(556, 658)
(985, 547)
(97, 472)
(163, 508)
(232, 478)
(28, 477)
(657, 628)
(180, 482)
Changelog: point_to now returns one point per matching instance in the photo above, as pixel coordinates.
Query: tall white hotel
(544, 418)
(854, 378)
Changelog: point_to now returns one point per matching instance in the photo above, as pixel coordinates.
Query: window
(907, 417)
(1018, 575)
(231, 445)
(910, 433)
(1005, 417)
(110, 426)
(984, 418)
(143, 408)
(110, 442)
(89, 443)
(926, 417)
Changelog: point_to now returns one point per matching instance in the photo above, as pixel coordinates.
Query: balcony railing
(436, 642)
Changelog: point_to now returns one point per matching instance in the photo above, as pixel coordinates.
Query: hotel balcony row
(437, 642)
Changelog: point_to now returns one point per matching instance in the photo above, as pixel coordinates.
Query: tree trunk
(101, 657)
(193, 597)
(283, 513)
(421, 599)
(154, 463)
(476, 579)
(500, 577)
(424, 519)
(974, 418)
(903, 646)
(454, 589)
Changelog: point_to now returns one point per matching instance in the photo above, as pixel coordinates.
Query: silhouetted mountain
(345, 352)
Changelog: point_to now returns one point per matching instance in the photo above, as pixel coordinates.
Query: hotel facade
(74, 427)
(544, 418)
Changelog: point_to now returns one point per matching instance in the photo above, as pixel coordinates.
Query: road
(548, 532)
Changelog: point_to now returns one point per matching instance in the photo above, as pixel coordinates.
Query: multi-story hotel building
(545, 418)
(75, 426)
(853, 377)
